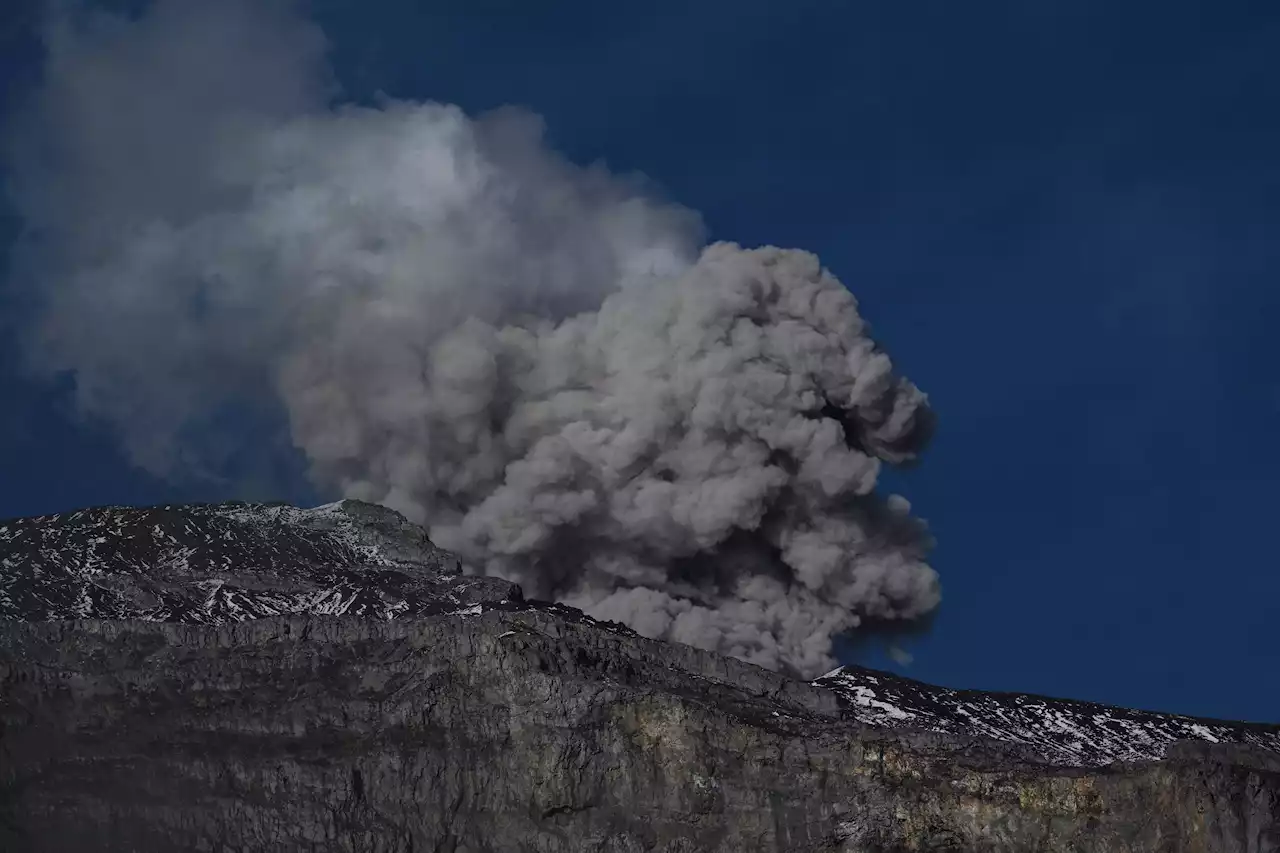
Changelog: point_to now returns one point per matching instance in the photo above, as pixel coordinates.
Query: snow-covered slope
(218, 563)
(1059, 731)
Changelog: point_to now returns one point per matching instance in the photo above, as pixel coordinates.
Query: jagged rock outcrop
(217, 703)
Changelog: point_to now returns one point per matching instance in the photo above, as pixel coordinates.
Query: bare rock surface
(258, 678)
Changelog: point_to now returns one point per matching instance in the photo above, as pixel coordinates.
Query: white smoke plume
(542, 362)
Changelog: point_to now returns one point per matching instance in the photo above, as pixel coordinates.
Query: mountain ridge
(349, 557)
(338, 645)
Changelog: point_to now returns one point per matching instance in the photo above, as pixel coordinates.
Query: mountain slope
(219, 563)
(213, 564)
(264, 677)
(1057, 731)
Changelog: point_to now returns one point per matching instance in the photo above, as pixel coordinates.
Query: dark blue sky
(1062, 218)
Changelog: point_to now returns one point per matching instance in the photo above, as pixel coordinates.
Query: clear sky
(1061, 218)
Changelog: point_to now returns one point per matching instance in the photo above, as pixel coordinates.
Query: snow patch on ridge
(1060, 731)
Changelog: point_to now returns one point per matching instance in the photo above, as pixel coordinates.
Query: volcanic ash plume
(534, 359)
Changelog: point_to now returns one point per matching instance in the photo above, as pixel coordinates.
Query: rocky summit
(247, 677)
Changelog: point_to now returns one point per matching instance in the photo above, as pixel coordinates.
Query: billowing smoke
(540, 361)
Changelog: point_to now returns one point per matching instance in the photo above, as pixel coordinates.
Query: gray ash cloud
(542, 362)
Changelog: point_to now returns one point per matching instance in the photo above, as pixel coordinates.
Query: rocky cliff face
(265, 678)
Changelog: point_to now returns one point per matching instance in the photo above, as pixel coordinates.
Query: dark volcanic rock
(1056, 731)
(227, 562)
(452, 715)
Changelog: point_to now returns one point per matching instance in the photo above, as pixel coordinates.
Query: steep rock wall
(523, 731)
